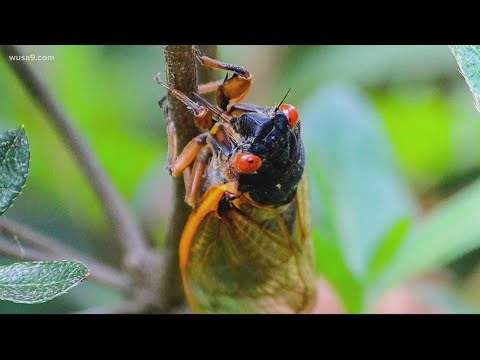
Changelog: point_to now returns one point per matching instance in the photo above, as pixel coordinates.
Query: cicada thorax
(266, 134)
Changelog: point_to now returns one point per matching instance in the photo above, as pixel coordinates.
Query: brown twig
(127, 230)
(14, 251)
(181, 74)
(52, 250)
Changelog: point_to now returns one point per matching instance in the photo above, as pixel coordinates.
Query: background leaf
(388, 249)
(358, 191)
(14, 160)
(37, 282)
(448, 232)
(363, 66)
(468, 58)
(331, 264)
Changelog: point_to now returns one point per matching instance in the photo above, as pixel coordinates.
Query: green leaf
(369, 66)
(450, 231)
(14, 160)
(468, 59)
(357, 190)
(331, 264)
(388, 248)
(38, 282)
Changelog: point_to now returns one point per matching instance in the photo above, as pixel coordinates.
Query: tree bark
(181, 74)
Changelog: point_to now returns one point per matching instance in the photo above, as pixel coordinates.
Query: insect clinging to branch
(245, 247)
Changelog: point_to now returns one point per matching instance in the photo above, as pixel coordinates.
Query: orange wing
(252, 260)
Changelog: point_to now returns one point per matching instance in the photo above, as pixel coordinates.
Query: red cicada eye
(292, 114)
(246, 163)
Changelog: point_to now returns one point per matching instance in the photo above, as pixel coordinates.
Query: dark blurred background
(419, 100)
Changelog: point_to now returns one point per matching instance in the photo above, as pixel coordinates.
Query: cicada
(246, 246)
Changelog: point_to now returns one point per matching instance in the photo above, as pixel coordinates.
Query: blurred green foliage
(386, 128)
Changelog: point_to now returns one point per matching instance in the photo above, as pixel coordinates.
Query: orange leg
(187, 178)
(172, 161)
(196, 177)
(233, 89)
(202, 114)
(209, 87)
(192, 153)
(177, 165)
(172, 144)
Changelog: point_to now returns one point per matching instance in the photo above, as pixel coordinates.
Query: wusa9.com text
(31, 57)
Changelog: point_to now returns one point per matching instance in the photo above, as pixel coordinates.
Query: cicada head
(269, 157)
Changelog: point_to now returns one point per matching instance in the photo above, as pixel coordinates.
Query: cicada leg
(178, 164)
(187, 179)
(209, 87)
(196, 176)
(233, 89)
(202, 114)
(192, 153)
(196, 152)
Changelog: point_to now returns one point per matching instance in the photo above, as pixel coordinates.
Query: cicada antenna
(281, 102)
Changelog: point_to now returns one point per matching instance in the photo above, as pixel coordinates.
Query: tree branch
(14, 251)
(49, 250)
(125, 226)
(181, 74)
